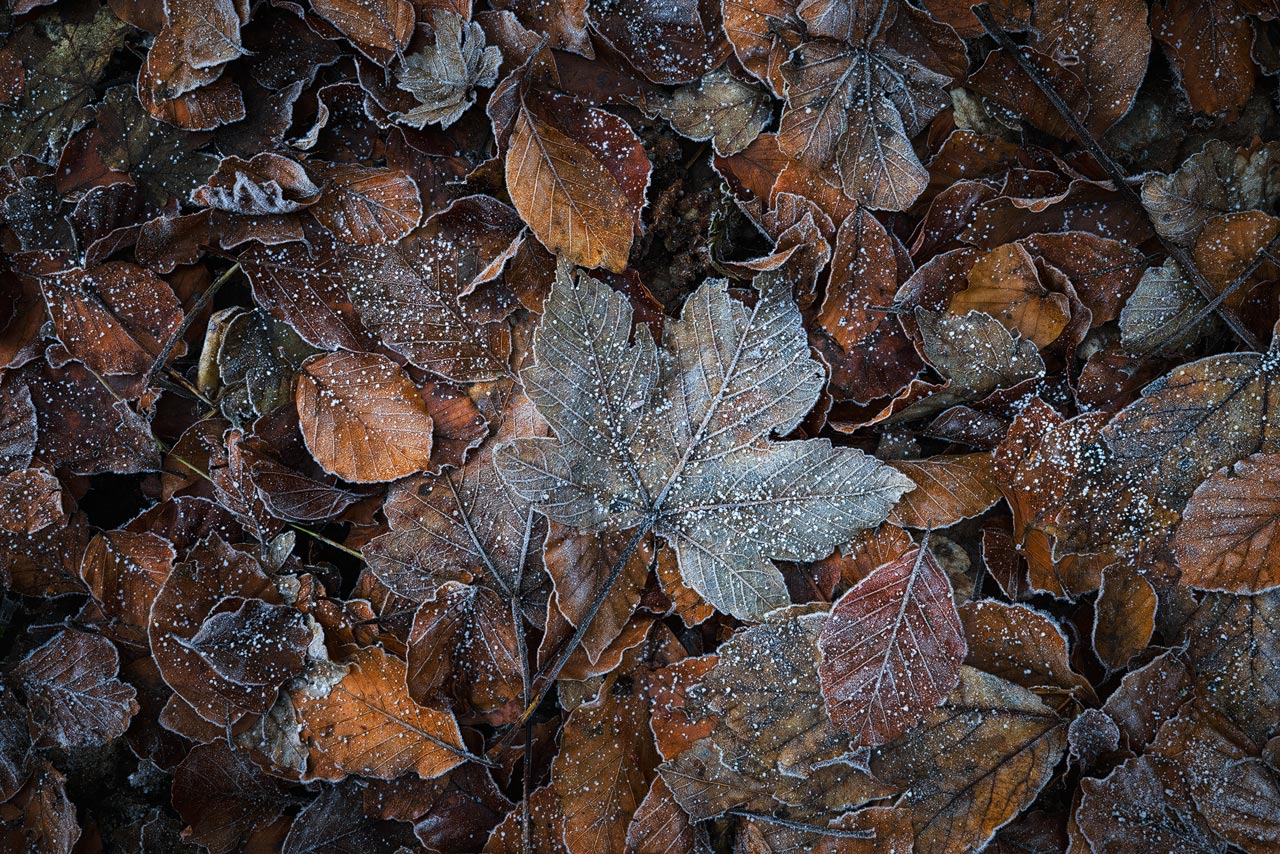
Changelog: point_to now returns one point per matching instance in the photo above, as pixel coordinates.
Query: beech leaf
(892, 649)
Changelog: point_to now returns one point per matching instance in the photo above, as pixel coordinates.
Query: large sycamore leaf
(578, 176)
(973, 763)
(680, 439)
(892, 649)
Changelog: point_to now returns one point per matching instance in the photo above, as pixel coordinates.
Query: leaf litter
(752, 425)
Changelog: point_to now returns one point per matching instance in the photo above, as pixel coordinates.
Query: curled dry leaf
(1124, 617)
(721, 108)
(682, 444)
(362, 417)
(220, 635)
(443, 76)
(367, 725)
(892, 649)
(1022, 645)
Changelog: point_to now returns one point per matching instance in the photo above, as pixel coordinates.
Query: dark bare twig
(548, 675)
(205, 298)
(983, 13)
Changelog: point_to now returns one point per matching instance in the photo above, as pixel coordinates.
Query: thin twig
(983, 13)
(1236, 283)
(328, 542)
(197, 307)
(549, 675)
(840, 832)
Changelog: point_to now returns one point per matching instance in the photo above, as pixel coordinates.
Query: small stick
(549, 675)
(197, 307)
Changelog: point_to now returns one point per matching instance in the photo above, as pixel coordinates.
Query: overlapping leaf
(682, 443)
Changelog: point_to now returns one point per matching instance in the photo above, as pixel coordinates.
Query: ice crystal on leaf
(681, 439)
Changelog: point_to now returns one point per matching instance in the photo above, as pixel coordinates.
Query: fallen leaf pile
(750, 426)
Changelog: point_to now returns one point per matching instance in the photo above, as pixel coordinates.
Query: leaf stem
(983, 13)
(548, 675)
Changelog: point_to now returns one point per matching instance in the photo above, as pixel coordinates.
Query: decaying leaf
(362, 417)
(74, 692)
(592, 426)
(974, 763)
(442, 77)
(577, 175)
(367, 725)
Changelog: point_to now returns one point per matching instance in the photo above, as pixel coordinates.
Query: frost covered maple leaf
(443, 76)
(678, 439)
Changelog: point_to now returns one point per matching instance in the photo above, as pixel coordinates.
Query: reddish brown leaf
(368, 206)
(74, 692)
(1107, 43)
(116, 317)
(124, 571)
(1022, 645)
(219, 647)
(603, 771)
(367, 725)
(577, 175)
(1124, 616)
(362, 418)
(30, 501)
(1227, 538)
(379, 28)
(948, 490)
(1208, 43)
(892, 649)
(224, 798)
(463, 644)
